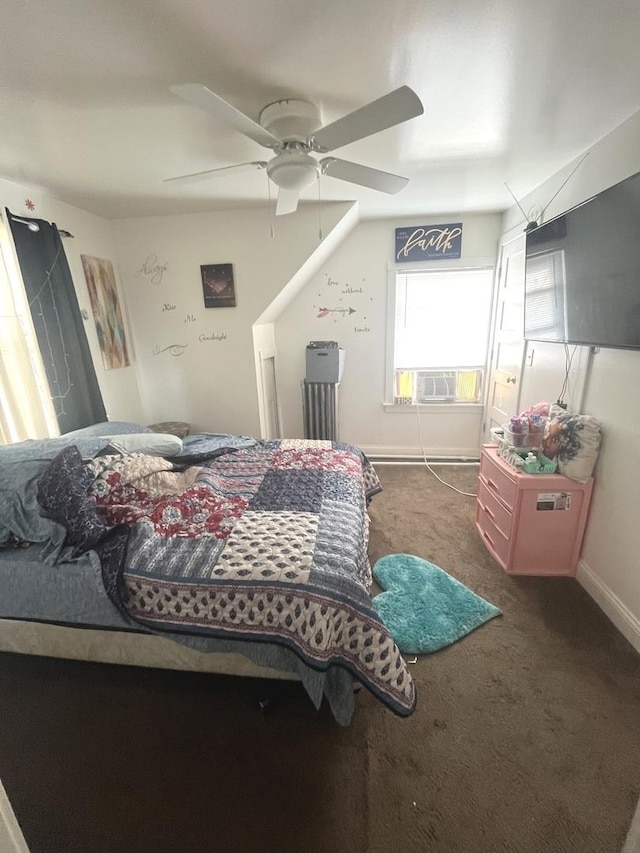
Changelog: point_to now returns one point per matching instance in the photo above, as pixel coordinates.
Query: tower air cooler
(324, 368)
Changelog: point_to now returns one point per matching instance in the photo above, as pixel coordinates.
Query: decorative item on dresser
(531, 524)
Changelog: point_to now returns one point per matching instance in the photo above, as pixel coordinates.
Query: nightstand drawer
(497, 482)
(496, 511)
(497, 544)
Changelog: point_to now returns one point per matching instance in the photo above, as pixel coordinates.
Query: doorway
(270, 397)
(507, 340)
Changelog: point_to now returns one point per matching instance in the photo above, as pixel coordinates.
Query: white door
(507, 342)
(272, 417)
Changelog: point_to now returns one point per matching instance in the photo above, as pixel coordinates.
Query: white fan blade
(287, 202)
(200, 96)
(389, 110)
(363, 175)
(215, 173)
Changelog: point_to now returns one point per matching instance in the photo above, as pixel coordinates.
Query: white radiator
(320, 410)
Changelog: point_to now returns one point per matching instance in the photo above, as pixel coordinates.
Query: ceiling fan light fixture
(293, 170)
(291, 119)
(290, 128)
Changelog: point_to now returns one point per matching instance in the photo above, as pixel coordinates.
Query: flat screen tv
(582, 273)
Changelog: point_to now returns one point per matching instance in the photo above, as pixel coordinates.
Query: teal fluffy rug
(424, 608)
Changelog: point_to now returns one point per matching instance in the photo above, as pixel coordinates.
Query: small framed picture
(218, 285)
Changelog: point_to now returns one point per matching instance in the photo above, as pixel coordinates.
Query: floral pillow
(63, 494)
(573, 441)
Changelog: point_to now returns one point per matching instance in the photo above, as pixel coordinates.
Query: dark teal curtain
(58, 324)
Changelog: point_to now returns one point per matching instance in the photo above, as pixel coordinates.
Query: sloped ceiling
(512, 90)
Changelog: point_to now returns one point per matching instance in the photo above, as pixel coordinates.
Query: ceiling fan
(291, 128)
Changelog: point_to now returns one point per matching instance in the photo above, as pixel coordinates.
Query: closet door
(507, 343)
(270, 392)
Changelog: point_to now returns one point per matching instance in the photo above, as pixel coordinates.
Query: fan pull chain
(271, 226)
(320, 234)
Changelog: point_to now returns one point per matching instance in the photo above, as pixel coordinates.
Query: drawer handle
(492, 485)
(488, 538)
(488, 511)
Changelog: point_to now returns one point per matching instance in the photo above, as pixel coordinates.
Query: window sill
(433, 408)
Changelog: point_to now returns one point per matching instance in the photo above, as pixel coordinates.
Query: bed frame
(123, 647)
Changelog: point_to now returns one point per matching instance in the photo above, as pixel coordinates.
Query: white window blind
(545, 303)
(442, 319)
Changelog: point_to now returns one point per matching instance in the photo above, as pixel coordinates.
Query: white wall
(92, 236)
(544, 374)
(356, 277)
(198, 364)
(609, 567)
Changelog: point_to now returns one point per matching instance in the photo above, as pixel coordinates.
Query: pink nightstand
(532, 524)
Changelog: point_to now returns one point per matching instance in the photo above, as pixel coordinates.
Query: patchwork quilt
(266, 543)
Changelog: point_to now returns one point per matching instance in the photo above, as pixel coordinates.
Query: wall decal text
(168, 307)
(172, 349)
(221, 336)
(152, 269)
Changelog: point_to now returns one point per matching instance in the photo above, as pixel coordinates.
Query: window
(440, 335)
(545, 305)
(25, 404)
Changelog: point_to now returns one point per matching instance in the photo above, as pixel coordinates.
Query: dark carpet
(526, 738)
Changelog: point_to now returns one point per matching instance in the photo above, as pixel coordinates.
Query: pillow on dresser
(573, 441)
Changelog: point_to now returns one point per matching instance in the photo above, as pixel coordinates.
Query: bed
(231, 555)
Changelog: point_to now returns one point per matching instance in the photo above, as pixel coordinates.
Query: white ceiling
(512, 91)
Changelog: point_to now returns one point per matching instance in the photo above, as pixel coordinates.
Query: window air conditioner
(435, 385)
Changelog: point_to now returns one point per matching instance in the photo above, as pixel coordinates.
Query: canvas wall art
(105, 305)
(218, 285)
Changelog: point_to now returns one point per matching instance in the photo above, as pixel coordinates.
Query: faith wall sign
(429, 242)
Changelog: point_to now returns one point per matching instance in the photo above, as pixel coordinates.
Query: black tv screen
(582, 273)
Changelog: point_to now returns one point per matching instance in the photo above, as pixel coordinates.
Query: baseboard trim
(608, 601)
(434, 462)
(465, 454)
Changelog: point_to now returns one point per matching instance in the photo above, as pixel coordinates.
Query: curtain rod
(33, 226)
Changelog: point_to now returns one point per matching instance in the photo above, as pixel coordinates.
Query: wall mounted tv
(582, 273)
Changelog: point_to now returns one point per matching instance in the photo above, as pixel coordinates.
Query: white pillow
(106, 428)
(150, 443)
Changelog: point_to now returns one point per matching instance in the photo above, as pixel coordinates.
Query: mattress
(63, 611)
